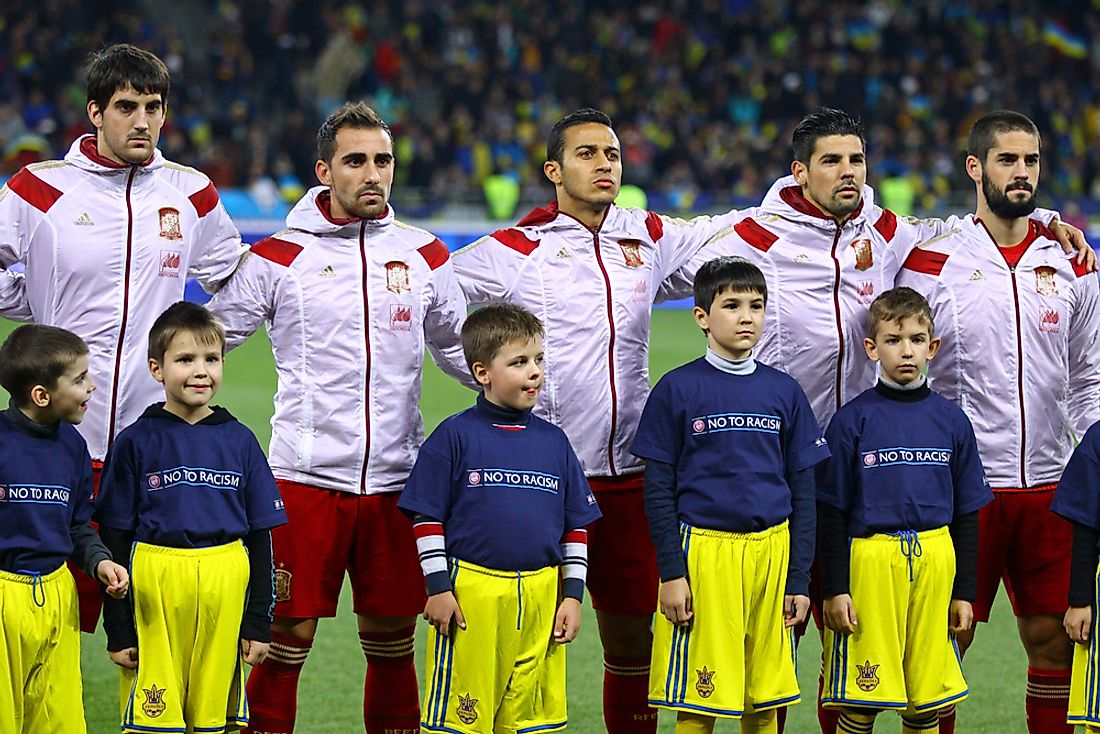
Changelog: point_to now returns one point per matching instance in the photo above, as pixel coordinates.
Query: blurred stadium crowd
(704, 93)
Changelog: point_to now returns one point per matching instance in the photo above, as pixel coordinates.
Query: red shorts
(622, 564)
(329, 533)
(1024, 543)
(89, 592)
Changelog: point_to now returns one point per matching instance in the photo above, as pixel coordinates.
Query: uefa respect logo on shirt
(513, 479)
(193, 477)
(901, 455)
(736, 422)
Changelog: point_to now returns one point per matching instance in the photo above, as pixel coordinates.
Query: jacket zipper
(1020, 379)
(836, 315)
(125, 308)
(610, 357)
(366, 341)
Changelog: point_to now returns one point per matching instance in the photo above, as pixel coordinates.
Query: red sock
(827, 719)
(625, 696)
(780, 719)
(1047, 701)
(273, 686)
(947, 720)
(391, 701)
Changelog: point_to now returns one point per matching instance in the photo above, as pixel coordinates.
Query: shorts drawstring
(910, 547)
(36, 587)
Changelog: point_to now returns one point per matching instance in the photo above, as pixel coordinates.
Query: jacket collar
(785, 199)
(313, 214)
(551, 214)
(84, 154)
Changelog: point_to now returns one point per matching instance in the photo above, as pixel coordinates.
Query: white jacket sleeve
(247, 299)
(218, 249)
(704, 238)
(1084, 355)
(443, 324)
(18, 221)
(486, 270)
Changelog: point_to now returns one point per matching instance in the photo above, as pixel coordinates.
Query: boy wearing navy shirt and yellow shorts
(898, 532)
(45, 506)
(188, 497)
(500, 505)
(730, 445)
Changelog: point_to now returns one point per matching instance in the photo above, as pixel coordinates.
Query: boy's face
(733, 323)
(191, 372)
(69, 399)
(904, 349)
(513, 377)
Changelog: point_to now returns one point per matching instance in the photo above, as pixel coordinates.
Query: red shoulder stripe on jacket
(34, 190)
(204, 201)
(928, 262)
(655, 226)
(1079, 269)
(516, 240)
(435, 253)
(887, 224)
(277, 251)
(754, 234)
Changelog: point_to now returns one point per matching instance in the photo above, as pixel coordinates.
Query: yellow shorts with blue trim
(736, 656)
(503, 673)
(901, 656)
(1084, 689)
(188, 604)
(40, 685)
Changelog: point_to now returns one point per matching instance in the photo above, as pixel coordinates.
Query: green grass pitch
(330, 697)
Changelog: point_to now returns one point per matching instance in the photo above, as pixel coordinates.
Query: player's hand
(254, 651)
(114, 577)
(960, 616)
(1073, 240)
(1078, 624)
(840, 614)
(676, 601)
(439, 611)
(795, 609)
(125, 658)
(567, 623)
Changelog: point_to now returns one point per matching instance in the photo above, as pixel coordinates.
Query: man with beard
(1019, 324)
(349, 295)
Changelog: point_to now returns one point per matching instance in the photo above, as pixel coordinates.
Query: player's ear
(40, 396)
(481, 373)
(974, 169)
(323, 172)
(871, 349)
(798, 170)
(552, 169)
(95, 114)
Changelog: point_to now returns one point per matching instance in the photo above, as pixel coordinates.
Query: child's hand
(254, 651)
(840, 614)
(567, 623)
(114, 577)
(675, 601)
(960, 616)
(1078, 624)
(125, 658)
(440, 609)
(795, 609)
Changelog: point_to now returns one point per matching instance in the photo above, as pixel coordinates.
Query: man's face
(128, 128)
(360, 174)
(591, 170)
(1009, 177)
(833, 178)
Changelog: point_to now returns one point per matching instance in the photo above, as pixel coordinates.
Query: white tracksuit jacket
(347, 304)
(107, 248)
(1020, 351)
(593, 291)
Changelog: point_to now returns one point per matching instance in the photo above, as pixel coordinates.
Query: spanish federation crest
(1045, 285)
(467, 711)
(632, 253)
(397, 277)
(864, 256)
(282, 584)
(170, 223)
(705, 685)
(868, 678)
(154, 701)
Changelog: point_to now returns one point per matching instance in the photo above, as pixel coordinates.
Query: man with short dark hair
(109, 236)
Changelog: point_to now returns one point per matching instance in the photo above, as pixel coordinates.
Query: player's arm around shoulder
(251, 296)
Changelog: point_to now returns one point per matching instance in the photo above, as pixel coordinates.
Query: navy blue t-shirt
(187, 486)
(505, 493)
(901, 465)
(45, 492)
(733, 440)
(1077, 497)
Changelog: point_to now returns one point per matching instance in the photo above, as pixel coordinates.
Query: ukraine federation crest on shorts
(867, 680)
(467, 709)
(170, 223)
(154, 701)
(704, 686)
(397, 277)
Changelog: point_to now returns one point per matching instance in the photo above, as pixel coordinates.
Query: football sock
(625, 694)
(855, 722)
(273, 687)
(694, 724)
(780, 720)
(920, 723)
(947, 719)
(765, 722)
(391, 702)
(1047, 701)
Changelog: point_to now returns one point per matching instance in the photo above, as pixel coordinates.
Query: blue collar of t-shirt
(23, 424)
(500, 414)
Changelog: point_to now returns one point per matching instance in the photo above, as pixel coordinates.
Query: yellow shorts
(503, 673)
(1084, 690)
(736, 657)
(40, 685)
(902, 656)
(188, 604)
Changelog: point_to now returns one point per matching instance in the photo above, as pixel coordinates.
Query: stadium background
(704, 94)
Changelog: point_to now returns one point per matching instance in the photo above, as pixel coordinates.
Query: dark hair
(555, 144)
(984, 131)
(122, 65)
(897, 304)
(728, 273)
(355, 115)
(490, 327)
(819, 124)
(37, 355)
(184, 316)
